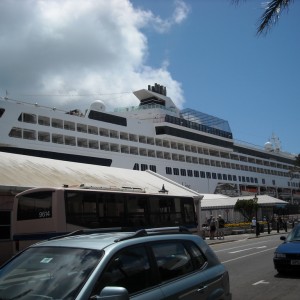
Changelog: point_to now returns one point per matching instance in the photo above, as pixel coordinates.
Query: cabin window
(16, 132)
(93, 130)
(114, 148)
(69, 125)
(27, 118)
(2, 110)
(103, 132)
(70, 140)
(81, 128)
(169, 170)
(153, 168)
(114, 134)
(43, 136)
(29, 134)
(93, 144)
(82, 143)
(144, 167)
(57, 139)
(56, 123)
(45, 121)
(183, 172)
(124, 149)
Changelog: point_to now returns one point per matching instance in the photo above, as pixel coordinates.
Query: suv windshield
(294, 235)
(55, 272)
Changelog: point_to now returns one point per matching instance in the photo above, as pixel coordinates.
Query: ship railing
(143, 107)
(37, 105)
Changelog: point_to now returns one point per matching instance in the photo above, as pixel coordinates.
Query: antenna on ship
(276, 143)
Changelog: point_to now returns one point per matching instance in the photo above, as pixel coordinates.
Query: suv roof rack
(133, 234)
(88, 231)
(155, 231)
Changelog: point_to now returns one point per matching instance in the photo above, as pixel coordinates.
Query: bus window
(81, 209)
(137, 211)
(94, 209)
(35, 206)
(111, 210)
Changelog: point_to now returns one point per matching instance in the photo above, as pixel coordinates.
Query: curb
(239, 237)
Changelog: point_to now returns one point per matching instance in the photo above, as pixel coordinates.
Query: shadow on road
(288, 274)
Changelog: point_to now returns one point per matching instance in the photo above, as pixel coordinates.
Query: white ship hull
(155, 136)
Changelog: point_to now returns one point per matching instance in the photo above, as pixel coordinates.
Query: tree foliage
(246, 207)
(273, 10)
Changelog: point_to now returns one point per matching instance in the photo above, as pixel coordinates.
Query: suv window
(130, 268)
(173, 260)
(198, 258)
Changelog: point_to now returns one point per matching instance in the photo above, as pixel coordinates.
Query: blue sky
(206, 52)
(227, 70)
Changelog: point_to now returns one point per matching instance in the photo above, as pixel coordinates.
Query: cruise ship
(192, 148)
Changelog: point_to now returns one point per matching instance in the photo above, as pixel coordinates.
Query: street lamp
(256, 216)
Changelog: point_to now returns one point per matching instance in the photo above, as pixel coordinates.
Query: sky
(68, 53)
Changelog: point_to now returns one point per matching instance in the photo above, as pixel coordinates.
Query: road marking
(214, 246)
(261, 282)
(229, 260)
(237, 251)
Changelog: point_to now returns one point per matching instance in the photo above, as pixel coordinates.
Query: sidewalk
(244, 236)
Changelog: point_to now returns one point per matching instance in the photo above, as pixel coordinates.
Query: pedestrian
(221, 225)
(204, 230)
(253, 223)
(209, 220)
(212, 228)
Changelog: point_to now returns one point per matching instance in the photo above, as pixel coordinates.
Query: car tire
(281, 271)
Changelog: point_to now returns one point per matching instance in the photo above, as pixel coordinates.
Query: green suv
(160, 263)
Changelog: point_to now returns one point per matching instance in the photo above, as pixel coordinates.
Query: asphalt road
(251, 270)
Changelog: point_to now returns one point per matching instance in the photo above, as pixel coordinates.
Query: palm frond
(271, 15)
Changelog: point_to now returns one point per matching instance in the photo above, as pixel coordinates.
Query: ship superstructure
(192, 148)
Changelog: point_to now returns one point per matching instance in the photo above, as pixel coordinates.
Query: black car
(287, 255)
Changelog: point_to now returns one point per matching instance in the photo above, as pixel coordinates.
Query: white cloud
(80, 47)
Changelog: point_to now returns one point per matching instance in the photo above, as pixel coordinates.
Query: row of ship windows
(208, 175)
(83, 128)
(94, 144)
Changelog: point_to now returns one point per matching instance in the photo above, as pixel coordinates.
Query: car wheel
(281, 271)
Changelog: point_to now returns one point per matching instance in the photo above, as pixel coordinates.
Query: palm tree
(273, 10)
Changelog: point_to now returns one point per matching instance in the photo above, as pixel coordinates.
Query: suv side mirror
(113, 293)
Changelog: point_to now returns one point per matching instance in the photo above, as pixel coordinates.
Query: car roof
(93, 240)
